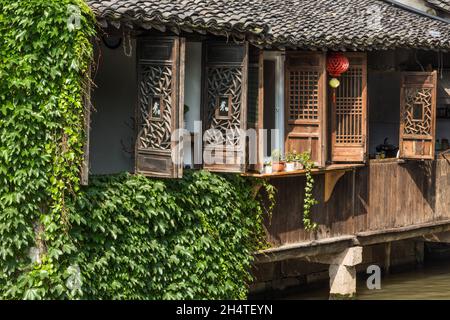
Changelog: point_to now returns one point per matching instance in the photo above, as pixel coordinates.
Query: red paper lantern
(337, 64)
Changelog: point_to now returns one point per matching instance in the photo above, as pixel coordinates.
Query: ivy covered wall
(123, 236)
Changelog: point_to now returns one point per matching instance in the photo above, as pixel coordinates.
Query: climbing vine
(308, 200)
(45, 51)
(124, 236)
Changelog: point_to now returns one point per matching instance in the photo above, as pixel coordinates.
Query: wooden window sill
(386, 160)
(296, 173)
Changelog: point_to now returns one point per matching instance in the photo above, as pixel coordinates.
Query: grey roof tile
(443, 5)
(312, 24)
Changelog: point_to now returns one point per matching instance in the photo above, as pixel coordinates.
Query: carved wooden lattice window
(349, 116)
(305, 104)
(225, 106)
(304, 95)
(418, 112)
(160, 106)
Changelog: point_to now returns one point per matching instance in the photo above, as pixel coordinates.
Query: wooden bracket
(331, 178)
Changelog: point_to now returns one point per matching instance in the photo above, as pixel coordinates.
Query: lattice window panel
(304, 95)
(424, 98)
(155, 81)
(349, 108)
(224, 81)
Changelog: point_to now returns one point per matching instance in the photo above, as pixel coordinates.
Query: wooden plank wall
(379, 196)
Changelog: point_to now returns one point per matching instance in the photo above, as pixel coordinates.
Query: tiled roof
(443, 5)
(313, 24)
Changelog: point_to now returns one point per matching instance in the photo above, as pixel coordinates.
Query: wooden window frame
(351, 152)
(306, 127)
(241, 166)
(409, 142)
(158, 162)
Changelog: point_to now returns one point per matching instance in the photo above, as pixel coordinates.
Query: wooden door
(349, 113)
(225, 106)
(160, 106)
(305, 102)
(418, 115)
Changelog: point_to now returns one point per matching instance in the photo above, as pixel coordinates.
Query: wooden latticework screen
(418, 115)
(160, 106)
(225, 106)
(305, 104)
(349, 116)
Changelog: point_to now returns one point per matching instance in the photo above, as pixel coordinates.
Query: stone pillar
(343, 273)
(419, 252)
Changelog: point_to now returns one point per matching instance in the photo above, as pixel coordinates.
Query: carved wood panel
(418, 115)
(160, 106)
(225, 106)
(224, 93)
(155, 106)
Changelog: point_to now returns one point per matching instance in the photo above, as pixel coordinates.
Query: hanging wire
(417, 60)
(127, 38)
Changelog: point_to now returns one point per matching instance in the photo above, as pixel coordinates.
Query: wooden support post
(419, 251)
(387, 257)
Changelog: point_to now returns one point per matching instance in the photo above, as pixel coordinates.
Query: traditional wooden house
(231, 66)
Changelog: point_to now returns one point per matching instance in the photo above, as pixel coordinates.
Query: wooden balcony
(381, 197)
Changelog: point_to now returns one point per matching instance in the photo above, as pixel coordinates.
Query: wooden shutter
(160, 106)
(305, 104)
(349, 113)
(418, 115)
(255, 107)
(225, 106)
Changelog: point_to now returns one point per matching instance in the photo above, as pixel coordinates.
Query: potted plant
(298, 161)
(267, 167)
(290, 161)
(305, 159)
(277, 162)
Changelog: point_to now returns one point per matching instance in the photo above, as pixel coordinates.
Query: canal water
(426, 283)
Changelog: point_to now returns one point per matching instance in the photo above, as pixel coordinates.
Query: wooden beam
(315, 171)
(402, 233)
(305, 249)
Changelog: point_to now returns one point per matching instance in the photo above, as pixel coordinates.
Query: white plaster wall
(114, 101)
(192, 91)
(278, 134)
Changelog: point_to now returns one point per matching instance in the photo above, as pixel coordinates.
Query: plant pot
(278, 166)
(290, 166)
(298, 165)
(268, 169)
